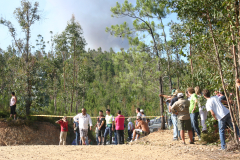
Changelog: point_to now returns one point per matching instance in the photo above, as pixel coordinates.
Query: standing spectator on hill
(219, 113)
(109, 129)
(202, 109)
(84, 120)
(194, 112)
(119, 121)
(176, 132)
(101, 127)
(13, 103)
(130, 129)
(143, 115)
(76, 131)
(184, 123)
(141, 129)
(64, 129)
(169, 113)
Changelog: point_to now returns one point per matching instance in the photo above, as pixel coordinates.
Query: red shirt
(119, 122)
(64, 126)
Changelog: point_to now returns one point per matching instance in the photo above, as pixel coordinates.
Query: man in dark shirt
(101, 127)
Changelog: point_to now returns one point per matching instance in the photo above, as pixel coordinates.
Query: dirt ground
(158, 145)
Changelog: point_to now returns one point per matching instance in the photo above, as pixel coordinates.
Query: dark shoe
(205, 131)
(191, 142)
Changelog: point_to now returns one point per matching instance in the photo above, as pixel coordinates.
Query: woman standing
(13, 102)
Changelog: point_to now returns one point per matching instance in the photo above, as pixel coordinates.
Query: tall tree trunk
(73, 76)
(168, 56)
(222, 80)
(64, 79)
(190, 53)
(178, 66)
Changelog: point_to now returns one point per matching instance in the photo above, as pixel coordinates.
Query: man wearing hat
(181, 107)
(64, 129)
(130, 128)
(176, 132)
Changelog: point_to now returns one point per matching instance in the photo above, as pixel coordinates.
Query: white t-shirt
(217, 107)
(83, 120)
(130, 124)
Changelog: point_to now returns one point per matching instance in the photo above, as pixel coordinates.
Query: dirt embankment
(38, 133)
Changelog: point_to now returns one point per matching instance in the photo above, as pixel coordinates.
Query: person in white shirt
(143, 115)
(13, 102)
(130, 128)
(84, 120)
(139, 114)
(220, 113)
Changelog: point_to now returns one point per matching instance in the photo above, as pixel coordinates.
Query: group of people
(185, 112)
(105, 126)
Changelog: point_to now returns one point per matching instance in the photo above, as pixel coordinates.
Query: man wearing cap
(64, 129)
(130, 128)
(141, 129)
(109, 129)
(184, 123)
(176, 132)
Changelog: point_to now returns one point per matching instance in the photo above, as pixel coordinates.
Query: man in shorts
(181, 107)
(13, 102)
(141, 129)
(83, 120)
(101, 127)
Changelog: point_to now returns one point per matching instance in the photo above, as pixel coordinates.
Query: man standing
(64, 129)
(13, 102)
(109, 129)
(184, 123)
(84, 120)
(220, 113)
(101, 127)
(141, 129)
(176, 132)
(119, 121)
(130, 128)
(194, 112)
(76, 131)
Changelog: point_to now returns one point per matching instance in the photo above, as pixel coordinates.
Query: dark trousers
(120, 136)
(130, 135)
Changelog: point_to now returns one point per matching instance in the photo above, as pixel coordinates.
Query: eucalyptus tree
(27, 14)
(144, 15)
(220, 21)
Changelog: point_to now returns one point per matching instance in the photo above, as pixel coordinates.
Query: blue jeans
(194, 123)
(97, 139)
(77, 138)
(222, 124)
(108, 130)
(115, 137)
(169, 121)
(176, 132)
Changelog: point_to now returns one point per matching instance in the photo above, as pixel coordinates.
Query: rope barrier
(91, 117)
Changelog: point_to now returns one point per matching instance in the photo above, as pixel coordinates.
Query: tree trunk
(222, 80)
(73, 76)
(190, 53)
(64, 79)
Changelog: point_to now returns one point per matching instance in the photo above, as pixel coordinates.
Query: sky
(93, 15)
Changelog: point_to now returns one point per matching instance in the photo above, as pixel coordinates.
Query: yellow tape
(91, 117)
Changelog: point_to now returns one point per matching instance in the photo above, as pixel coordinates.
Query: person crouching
(64, 129)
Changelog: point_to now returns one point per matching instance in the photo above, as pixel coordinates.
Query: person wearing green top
(194, 112)
(109, 129)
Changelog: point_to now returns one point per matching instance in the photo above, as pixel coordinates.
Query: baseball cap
(180, 95)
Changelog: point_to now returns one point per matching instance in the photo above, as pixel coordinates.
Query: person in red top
(119, 121)
(64, 129)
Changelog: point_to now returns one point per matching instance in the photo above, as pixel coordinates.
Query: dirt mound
(37, 133)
